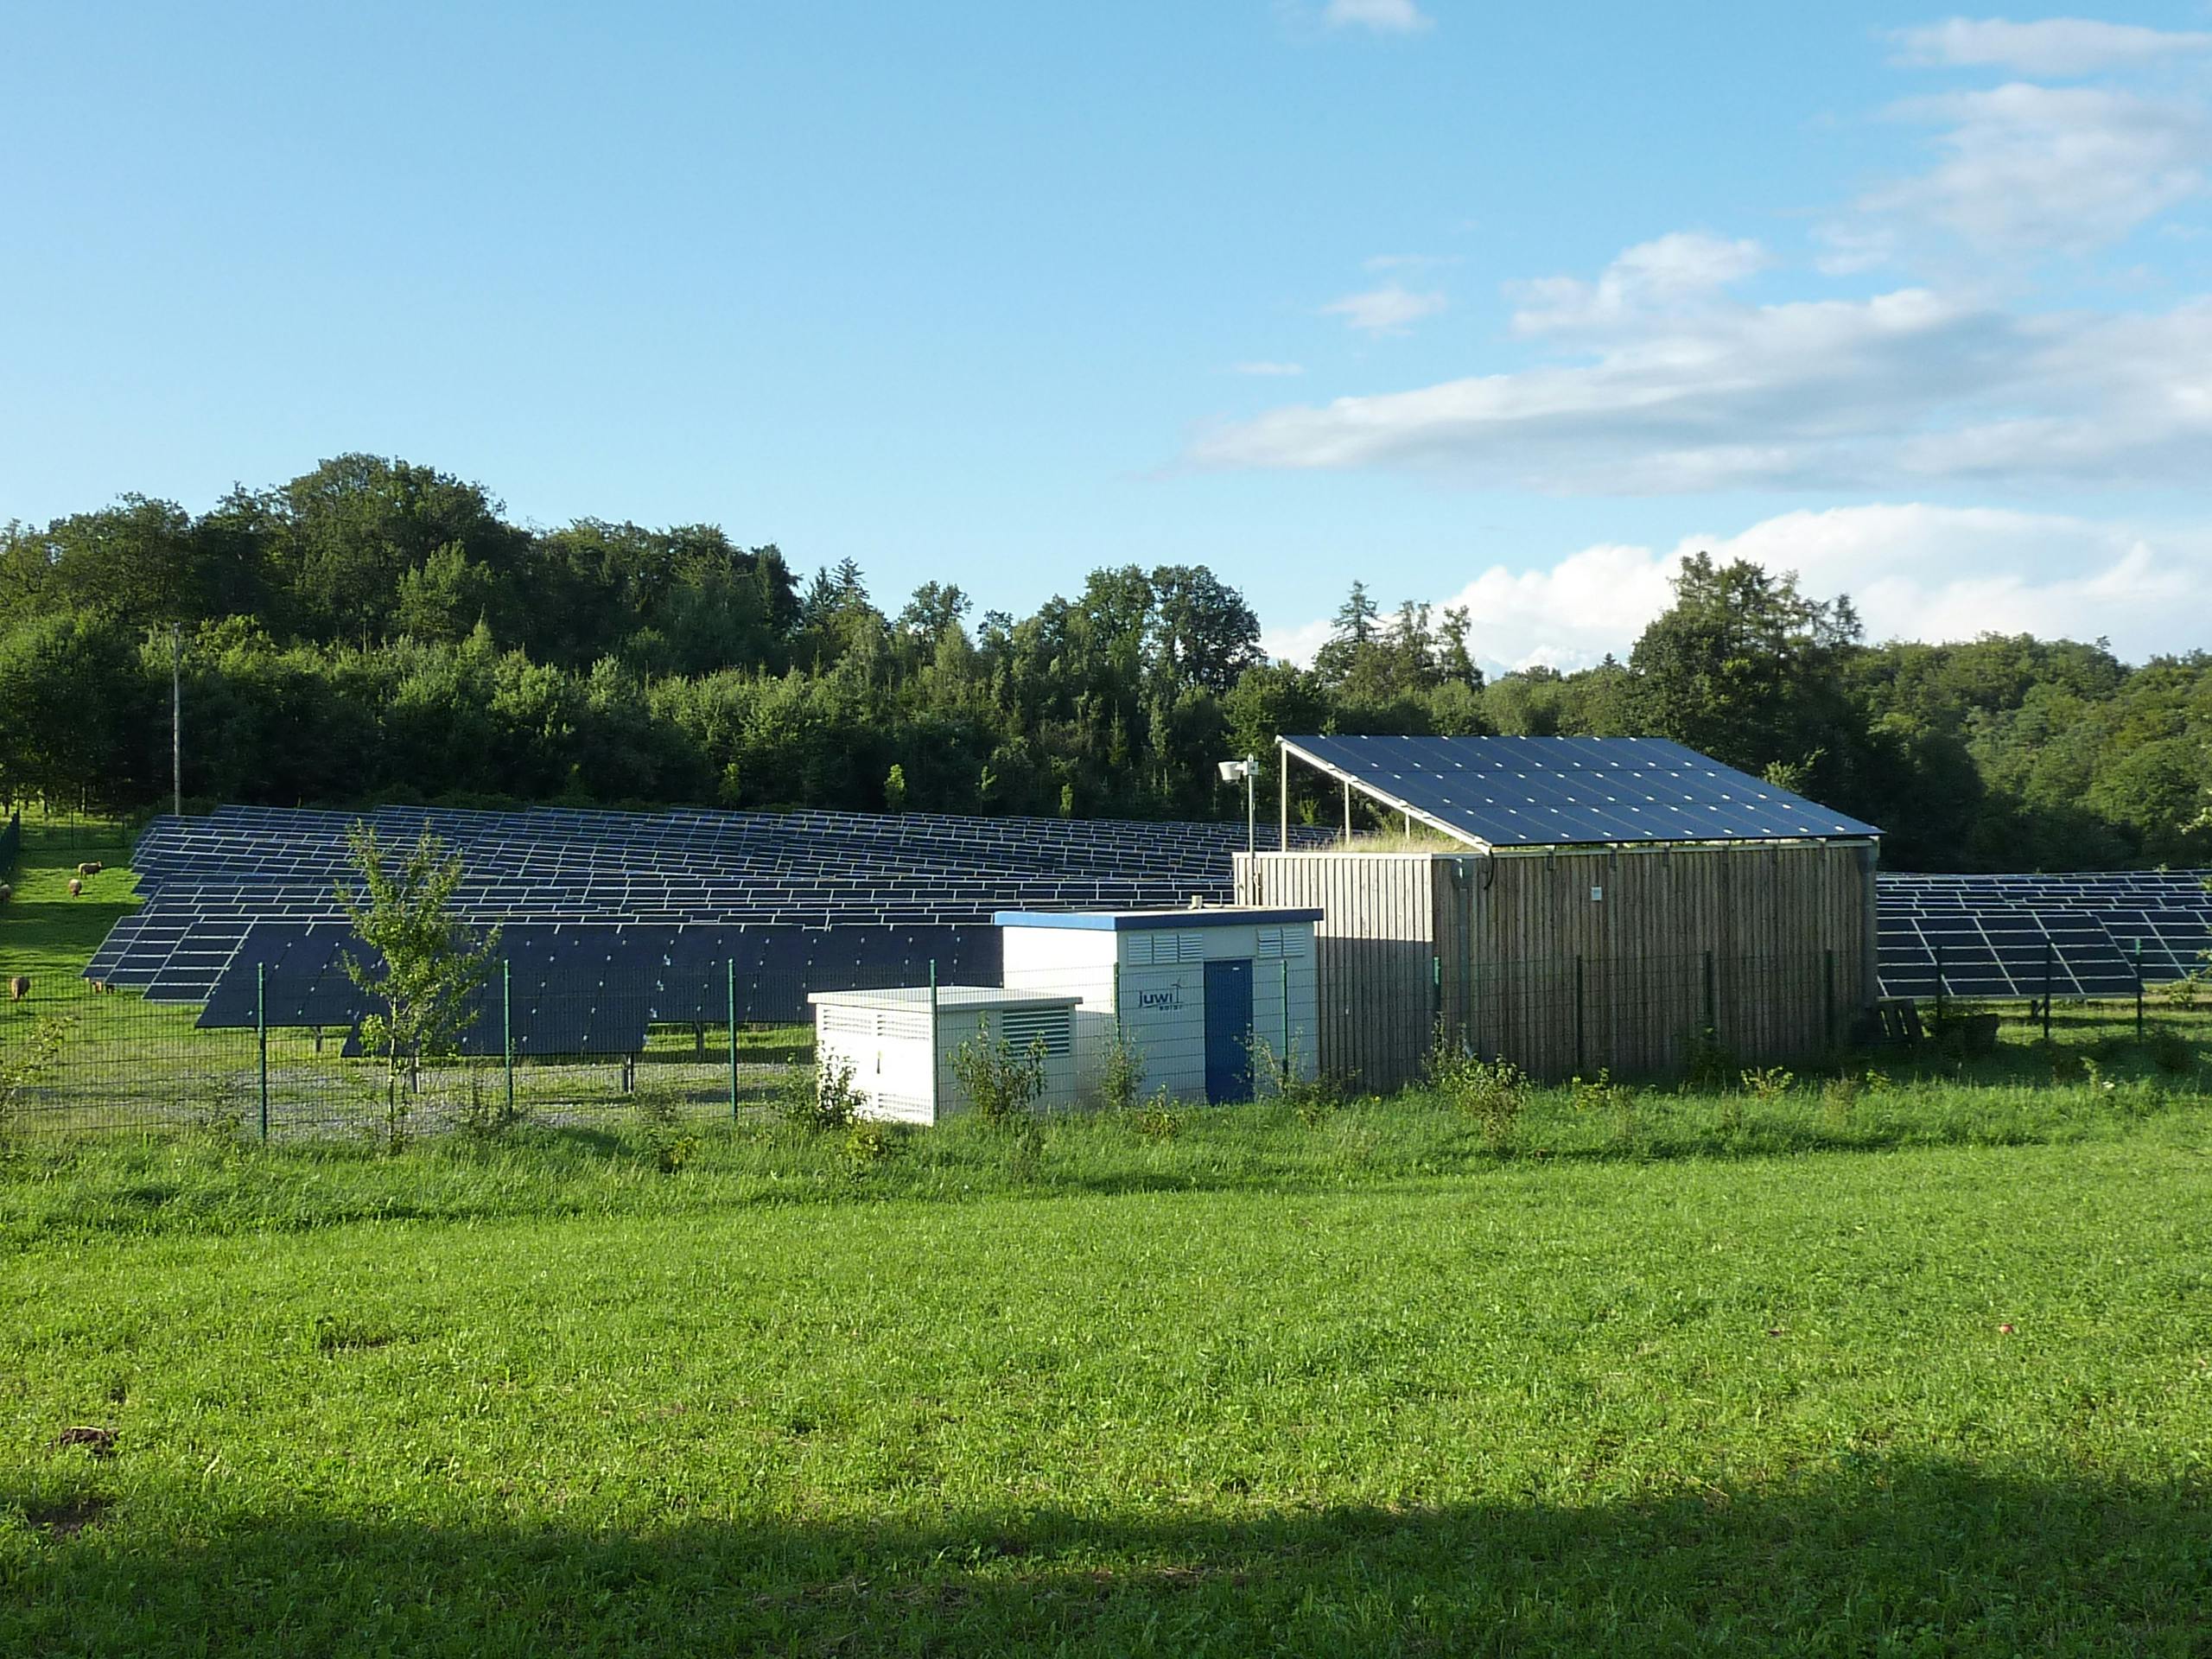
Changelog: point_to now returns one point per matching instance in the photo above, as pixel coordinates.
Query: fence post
(1711, 1018)
(1283, 974)
(2139, 990)
(1579, 1054)
(933, 1102)
(732, 1009)
(507, 1028)
(1939, 984)
(261, 1037)
(2048, 954)
(1828, 998)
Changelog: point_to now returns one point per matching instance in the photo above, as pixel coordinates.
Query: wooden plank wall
(1530, 968)
(1373, 952)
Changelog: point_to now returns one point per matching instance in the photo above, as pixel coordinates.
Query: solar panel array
(593, 988)
(249, 885)
(1561, 791)
(2008, 935)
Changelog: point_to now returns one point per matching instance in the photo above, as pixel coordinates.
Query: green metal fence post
(933, 1100)
(2139, 990)
(2048, 955)
(1711, 1014)
(261, 1037)
(507, 1028)
(1578, 1014)
(1939, 984)
(732, 1039)
(1283, 974)
(1827, 997)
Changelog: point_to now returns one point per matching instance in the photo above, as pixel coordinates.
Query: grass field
(1918, 1363)
(1358, 1385)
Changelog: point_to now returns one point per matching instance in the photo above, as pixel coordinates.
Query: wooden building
(1679, 902)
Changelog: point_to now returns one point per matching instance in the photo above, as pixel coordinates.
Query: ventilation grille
(1020, 1027)
(1147, 949)
(1282, 942)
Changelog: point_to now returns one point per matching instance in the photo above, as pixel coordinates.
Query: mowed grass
(1358, 1384)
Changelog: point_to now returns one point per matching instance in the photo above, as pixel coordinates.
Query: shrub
(1492, 1093)
(867, 1143)
(1601, 1097)
(821, 1098)
(1709, 1065)
(1121, 1072)
(2171, 1052)
(1283, 1076)
(1769, 1084)
(1839, 1096)
(1001, 1083)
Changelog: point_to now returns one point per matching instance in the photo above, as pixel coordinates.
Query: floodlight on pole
(1248, 769)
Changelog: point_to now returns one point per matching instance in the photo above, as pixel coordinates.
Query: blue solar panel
(1526, 791)
(2101, 929)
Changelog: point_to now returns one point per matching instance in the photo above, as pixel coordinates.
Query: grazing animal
(75, 887)
(100, 987)
(6, 893)
(93, 868)
(19, 987)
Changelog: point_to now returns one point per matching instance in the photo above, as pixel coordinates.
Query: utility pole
(176, 719)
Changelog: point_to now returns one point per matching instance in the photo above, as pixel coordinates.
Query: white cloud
(1383, 16)
(1664, 385)
(1267, 369)
(2055, 47)
(1682, 267)
(1916, 571)
(1389, 310)
(2064, 168)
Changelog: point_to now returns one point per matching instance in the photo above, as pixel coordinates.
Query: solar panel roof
(1537, 792)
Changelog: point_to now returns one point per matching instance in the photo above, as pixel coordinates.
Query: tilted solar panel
(1523, 792)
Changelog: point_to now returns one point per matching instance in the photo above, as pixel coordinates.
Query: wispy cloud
(1383, 16)
(2030, 168)
(1389, 310)
(1673, 269)
(2054, 47)
(1664, 386)
(1267, 369)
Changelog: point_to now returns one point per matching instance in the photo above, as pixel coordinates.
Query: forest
(377, 629)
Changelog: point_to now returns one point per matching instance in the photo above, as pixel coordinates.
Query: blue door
(1229, 1030)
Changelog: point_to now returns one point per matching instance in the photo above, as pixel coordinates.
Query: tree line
(377, 629)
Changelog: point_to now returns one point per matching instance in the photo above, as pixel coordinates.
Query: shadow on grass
(1881, 1556)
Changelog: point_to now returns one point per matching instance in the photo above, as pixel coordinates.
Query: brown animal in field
(93, 868)
(19, 987)
(75, 887)
(100, 987)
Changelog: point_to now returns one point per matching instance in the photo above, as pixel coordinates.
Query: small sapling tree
(427, 962)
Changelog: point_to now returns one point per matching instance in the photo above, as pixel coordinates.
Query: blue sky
(1504, 305)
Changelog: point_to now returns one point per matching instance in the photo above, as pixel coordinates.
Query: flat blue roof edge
(1123, 921)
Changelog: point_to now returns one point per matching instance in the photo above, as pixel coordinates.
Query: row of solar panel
(595, 989)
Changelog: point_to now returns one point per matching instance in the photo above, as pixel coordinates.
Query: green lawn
(1358, 1384)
